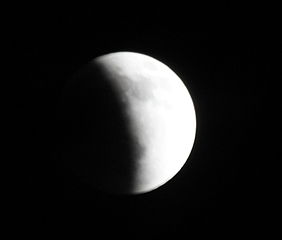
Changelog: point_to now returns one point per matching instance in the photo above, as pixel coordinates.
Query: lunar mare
(159, 115)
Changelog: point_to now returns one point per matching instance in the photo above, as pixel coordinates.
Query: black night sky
(222, 59)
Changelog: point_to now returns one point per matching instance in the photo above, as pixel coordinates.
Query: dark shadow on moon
(137, 85)
(97, 142)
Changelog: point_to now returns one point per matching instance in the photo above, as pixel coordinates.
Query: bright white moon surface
(160, 114)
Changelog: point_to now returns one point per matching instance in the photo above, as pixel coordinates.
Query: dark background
(222, 53)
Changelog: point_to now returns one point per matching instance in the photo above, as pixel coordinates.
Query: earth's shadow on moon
(96, 140)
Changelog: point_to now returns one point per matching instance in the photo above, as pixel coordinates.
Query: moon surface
(129, 123)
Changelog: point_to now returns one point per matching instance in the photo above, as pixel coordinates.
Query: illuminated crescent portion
(160, 114)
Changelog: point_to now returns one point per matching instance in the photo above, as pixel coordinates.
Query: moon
(129, 123)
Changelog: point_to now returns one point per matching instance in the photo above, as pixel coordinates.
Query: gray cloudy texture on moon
(157, 115)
